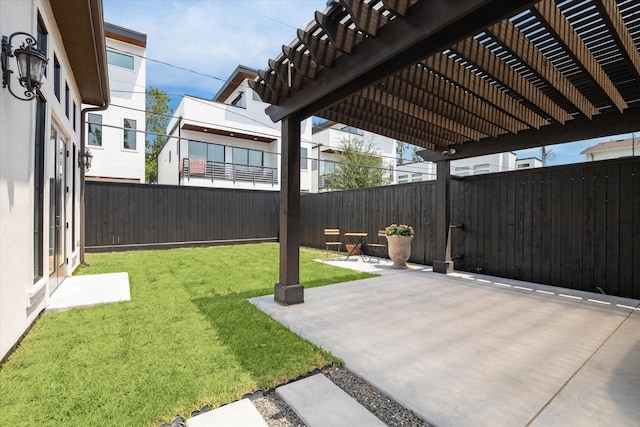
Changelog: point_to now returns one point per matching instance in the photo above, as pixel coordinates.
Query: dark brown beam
(607, 124)
(289, 290)
(430, 27)
(442, 262)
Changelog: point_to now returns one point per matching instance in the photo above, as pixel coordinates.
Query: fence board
(572, 226)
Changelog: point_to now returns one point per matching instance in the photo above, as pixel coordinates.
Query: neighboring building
(613, 149)
(40, 141)
(116, 136)
(426, 171)
(328, 138)
(228, 141)
(528, 163)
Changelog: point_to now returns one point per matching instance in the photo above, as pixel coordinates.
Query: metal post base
(288, 294)
(444, 267)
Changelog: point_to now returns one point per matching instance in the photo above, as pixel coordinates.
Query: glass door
(57, 184)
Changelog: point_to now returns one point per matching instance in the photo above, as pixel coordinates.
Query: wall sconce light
(449, 152)
(85, 158)
(31, 64)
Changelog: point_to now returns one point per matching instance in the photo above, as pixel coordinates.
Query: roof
(81, 26)
(240, 74)
(480, 76)
(611, 145)
(125, 35)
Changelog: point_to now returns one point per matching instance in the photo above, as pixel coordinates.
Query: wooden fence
(574, 226)
(134, 216)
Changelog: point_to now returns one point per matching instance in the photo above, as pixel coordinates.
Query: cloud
(211, 37)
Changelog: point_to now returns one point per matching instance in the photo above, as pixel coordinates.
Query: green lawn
(187, 338)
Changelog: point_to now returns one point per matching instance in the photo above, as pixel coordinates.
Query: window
(239, 100)
(74, 115)
(42, 39)
(403, 179)
(120, 59)
(353, 130)
(66, 99)
(197, 150)
(416, 177)
(74, 168)
(303, 158)
(524, 165)
(130, 134)
(243, 156)
(462, 171)
(480, 169)
(256, 97)
(56, 77)
(95, 129)
(38, 182)
(215, 153)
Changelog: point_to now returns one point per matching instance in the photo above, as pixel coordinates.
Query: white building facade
(116, 136)
(228, 142)
(40, 142)
(614, 149)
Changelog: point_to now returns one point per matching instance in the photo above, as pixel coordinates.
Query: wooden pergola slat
(610, 13)
(303, 62)
(320, 49)
(399, 7)
(575, 47)
(427, 83)
(488, 61)
(511, 38)
(396, 103)
(365, 17)
(458, 74)
(342, 36)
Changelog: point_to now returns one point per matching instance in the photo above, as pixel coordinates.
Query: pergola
(460, 78)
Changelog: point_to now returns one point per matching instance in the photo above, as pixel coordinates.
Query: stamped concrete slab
(320, 403)
(472, 350)
(237, 414)
(89, 290)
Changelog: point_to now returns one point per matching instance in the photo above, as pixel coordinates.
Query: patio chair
(377, 247)
(332, 239)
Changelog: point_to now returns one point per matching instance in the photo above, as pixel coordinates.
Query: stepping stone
(320, 403)
(237, 414)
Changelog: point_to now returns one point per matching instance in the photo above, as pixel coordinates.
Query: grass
(187, 338)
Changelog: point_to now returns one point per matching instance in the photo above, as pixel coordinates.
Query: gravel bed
(276, 412)
(387, 410)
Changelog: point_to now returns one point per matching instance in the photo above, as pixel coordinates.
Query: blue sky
(213, 37)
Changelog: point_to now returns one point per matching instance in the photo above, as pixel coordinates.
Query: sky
(213, 37)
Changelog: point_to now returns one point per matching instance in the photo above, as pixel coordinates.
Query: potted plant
(399, 243)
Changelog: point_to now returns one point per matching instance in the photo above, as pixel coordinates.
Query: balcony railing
(199, 168)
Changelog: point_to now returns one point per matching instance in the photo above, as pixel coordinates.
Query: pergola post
(442, 234)
(288, 290)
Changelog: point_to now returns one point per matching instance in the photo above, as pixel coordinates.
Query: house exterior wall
(235, 126)
(112, 161)
(24, 291)
(614, 153)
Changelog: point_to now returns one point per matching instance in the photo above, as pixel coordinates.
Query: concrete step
(320, 403)
(241, 413)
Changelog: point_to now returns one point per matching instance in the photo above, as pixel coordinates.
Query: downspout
(97, 22)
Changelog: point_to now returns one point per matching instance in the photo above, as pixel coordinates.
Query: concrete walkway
(89, 290)
(472, 350)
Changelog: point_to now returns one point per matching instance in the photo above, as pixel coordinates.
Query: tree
(157, 117)
(414, 154)
(401, 148)
(357, 167)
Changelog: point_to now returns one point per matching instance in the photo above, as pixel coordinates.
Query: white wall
(22, 294)
(112, 161)
(249, 120)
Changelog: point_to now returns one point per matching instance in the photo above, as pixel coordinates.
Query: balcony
(198, 168)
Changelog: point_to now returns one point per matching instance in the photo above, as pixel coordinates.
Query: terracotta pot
(356, 251)
(399, 250)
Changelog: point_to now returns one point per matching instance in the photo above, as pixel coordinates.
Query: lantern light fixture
(84, 159)
(31, 64)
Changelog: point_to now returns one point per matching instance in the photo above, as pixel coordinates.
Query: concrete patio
(466, 349)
